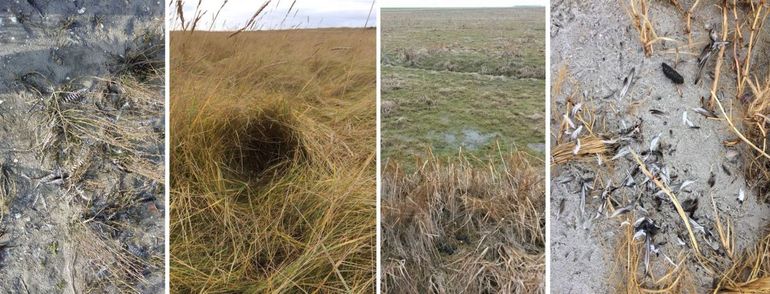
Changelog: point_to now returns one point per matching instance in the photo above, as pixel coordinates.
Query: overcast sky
(304, 14)
(460, 3)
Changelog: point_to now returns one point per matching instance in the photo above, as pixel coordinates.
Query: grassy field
(272, 161)
(495, 41)
(463, 102)
(468, 79)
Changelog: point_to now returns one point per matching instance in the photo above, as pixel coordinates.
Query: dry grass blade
(180, 13)
(216, 15)
(725, 236)
(757, 17)
(251, 20)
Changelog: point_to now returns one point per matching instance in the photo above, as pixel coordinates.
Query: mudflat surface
(595, 44)
(81, 203)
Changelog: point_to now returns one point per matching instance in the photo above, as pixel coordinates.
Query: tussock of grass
(454, 227)
(273, 186)
(748, 115)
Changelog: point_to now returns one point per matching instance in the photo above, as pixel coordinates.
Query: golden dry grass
(272, 161)
(751, 272)
(457, 227)
(638, 11)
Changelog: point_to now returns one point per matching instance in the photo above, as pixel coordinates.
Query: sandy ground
(599, 47)
(69, 43)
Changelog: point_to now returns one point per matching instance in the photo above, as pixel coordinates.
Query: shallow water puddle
(468, 138)
(539, 147)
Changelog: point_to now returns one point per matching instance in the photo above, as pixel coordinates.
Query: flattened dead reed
(454, 227)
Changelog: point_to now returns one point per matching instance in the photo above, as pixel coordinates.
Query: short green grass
(451, 81)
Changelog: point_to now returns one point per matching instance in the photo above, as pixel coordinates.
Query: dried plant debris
(81, 166)
(453, 225)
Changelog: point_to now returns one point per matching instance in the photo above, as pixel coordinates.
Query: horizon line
(277, 29)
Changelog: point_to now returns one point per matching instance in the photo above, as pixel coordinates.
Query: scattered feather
(726, 170)
(684, 185)
(576, 108)
(577, 147)
(696, 226)
(687, 121)
(629, 181)
(655, 143)
(704, 112)
(76, 96)
(576, 133)
(622, 152)
(627, 83)
(621, 211)
(565, 179)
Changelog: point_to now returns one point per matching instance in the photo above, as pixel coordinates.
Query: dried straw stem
(591, 145)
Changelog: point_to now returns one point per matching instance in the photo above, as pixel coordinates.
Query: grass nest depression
(453, 227)
(273, 154)
(263, 145)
